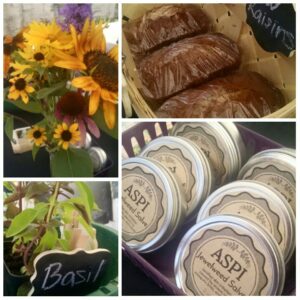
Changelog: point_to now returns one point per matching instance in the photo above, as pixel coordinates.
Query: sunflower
(37, 135)
(48, 35)
(18, 69)
(67, 134)
(20, 88)
(101, 68)
(39, 54)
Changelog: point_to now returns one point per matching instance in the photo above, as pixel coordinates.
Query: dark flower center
(103, 69)
(37, 134)
(20, 84)
(72, 104)
(66, 135)
(7, 49)
(39, 56)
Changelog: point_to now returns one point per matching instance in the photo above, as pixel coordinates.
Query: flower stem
(53, 201)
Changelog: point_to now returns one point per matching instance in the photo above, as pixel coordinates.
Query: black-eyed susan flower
(18, 68)
(101, 68)
(37, 135)
(20, 88)
(38, 54)
(67, 135)
(48, 35)
(73, 108)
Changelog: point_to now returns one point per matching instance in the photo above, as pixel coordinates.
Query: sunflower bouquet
(63, 71)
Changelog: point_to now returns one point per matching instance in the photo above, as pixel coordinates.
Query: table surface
(134, 281)
(22, 165)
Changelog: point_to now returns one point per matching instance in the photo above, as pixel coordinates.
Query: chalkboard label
(59, 273)
(274, 26)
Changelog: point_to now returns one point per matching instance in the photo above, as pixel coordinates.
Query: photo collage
(149, 149)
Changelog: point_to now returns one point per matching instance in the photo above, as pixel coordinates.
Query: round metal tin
(275, 168)
(217, 143)
(259, 203)
(188, 164)
(228, 255)
(152, 206)
(98, 157)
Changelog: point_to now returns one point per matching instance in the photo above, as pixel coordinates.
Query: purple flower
(74, 14)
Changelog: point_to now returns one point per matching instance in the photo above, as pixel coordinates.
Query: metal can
(188, 164)
(152, 206)
(222, 144)
(259, 203)
(275, 167)
(228, 255)
(98, 157)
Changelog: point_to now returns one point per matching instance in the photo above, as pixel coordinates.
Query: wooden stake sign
(274, 26)
(59, 273)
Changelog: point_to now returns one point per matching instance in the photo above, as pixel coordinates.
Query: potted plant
(63, 70)
(48, 230)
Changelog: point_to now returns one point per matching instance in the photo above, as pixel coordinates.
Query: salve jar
(228, 255)
(259, 203)
(275, 167)
(188, 164)
(152, 204)
(222, 144)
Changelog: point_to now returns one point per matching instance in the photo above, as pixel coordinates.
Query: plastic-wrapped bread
(186, 63)
(163, 25)
(242, 94)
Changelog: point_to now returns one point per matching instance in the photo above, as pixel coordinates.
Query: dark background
(134, 281)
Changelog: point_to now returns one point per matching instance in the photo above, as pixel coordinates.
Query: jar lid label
(211, 148)
(282, 180)
(143, 204)
(224, 262)
(180, 166)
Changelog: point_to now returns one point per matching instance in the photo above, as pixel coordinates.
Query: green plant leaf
(35, 150)
(42, 209)
(48, 241)
(9, 126)
(83, 205)
(98, 117)
(71, 163)
(8, 186)
(21, 222)
(11, 210)
(27, 235)
(45, 92)
(87, 227)
(24, 288)
(87, 195)
(64, 245)
(31, 106)
(35, 189)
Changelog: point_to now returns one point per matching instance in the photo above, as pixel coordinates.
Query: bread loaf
(186, 63)
(163, 25)
(242, 94)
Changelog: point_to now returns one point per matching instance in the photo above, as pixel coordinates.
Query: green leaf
(24, 288)
(45, 92)
(11, 210)
(31, 106)
(71, 163)
(87, 227)
(9, 126)
(36, 189)
(64, 245)
(21, 221)
(83, 205)
(48, 241)
(35, 150)
(42, 209)
(27, 235)
(8, 185)
(98, 117)
(87, 195)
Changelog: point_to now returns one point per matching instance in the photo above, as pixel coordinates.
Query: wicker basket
(230, 20)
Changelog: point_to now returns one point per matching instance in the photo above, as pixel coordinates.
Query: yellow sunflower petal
(29, 89)
(73, 127)
(109, 110)
(114, 53)
(86, 83)
(64, 126)
(65, 145)
(14, 95)
(25, 98)
(94, 101)
(109, 96)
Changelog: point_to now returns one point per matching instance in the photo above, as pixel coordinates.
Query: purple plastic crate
(159, 265)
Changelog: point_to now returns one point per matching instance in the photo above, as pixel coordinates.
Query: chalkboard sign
(274, 26)
(59, 273)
